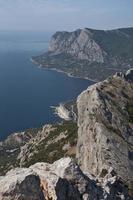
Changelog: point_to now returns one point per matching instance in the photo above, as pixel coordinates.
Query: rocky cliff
(105, 121)
(104, 150)
(62, 180)
(88, 53)
(79, 44)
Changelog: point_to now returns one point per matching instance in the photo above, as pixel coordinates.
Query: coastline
(63, 72)
(61, 110)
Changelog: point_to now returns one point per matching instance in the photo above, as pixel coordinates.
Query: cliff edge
(105, 121)
(104, 150)
(89, 53)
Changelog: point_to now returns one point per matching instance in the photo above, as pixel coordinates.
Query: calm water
(27, 92)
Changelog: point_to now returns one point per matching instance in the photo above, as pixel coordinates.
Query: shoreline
(60, 110)
(63, 72)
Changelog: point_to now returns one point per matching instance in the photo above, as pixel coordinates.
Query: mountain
(45, 144)
(88, 53)
(102, 148)
(105, 121)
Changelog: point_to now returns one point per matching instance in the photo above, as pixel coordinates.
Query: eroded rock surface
(105, 120)
(79, 44)
(62, 180)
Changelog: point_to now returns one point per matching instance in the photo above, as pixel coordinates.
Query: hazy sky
(65, 14)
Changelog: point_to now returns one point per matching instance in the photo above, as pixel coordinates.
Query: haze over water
(26, 91)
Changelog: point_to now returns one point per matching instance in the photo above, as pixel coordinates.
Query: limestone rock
(62, 180)
(79, 44)
(105, 121)
(20, 184)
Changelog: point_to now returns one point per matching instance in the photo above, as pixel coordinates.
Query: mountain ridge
(89, 53)
(103, 149)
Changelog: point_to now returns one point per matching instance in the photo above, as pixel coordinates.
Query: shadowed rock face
(62, 180)
(105, 120)
(20, 184)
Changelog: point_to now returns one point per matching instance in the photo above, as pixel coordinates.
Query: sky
(54, 15)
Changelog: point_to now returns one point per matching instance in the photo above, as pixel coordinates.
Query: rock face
(105, 121)
(89, 53)
(79, 44)
(20, 184)
(62, 180)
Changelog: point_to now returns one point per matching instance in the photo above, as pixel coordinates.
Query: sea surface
(26, 91)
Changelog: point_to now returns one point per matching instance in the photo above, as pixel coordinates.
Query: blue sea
(26, 91)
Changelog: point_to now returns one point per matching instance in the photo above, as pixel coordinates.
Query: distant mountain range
(88, 53)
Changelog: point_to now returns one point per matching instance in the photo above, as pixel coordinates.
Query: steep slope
(104, 150)
(45, 144)
(105, 121)
(89, 53)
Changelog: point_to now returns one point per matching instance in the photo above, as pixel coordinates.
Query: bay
(26, 91)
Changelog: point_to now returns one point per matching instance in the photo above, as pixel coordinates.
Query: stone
(62, 180)
(20, 184)
(79, 44)
(129, 75)
(105, 134)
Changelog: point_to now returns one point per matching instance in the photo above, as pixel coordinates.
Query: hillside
(105, 121)
(88, 53)
(96, 161)
(44, 144)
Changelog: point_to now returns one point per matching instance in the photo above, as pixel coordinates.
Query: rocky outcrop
(46, 144)
(89, 53)
(62, 112)
(62, 180)
(10, 148)
(67, 110)
(22, 184)
(105, 121)
(104, 150)
(79, 44)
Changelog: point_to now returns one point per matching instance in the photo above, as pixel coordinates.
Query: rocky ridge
(105, 121)
(104, 150)
(79, 44)
(62, 180)
(89, 53)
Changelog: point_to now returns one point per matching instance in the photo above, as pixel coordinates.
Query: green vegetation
(79, 68)
(49, 150)
(118, 48)
(7, 160)
(116, 42)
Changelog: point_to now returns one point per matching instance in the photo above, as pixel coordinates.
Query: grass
(45, 152)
